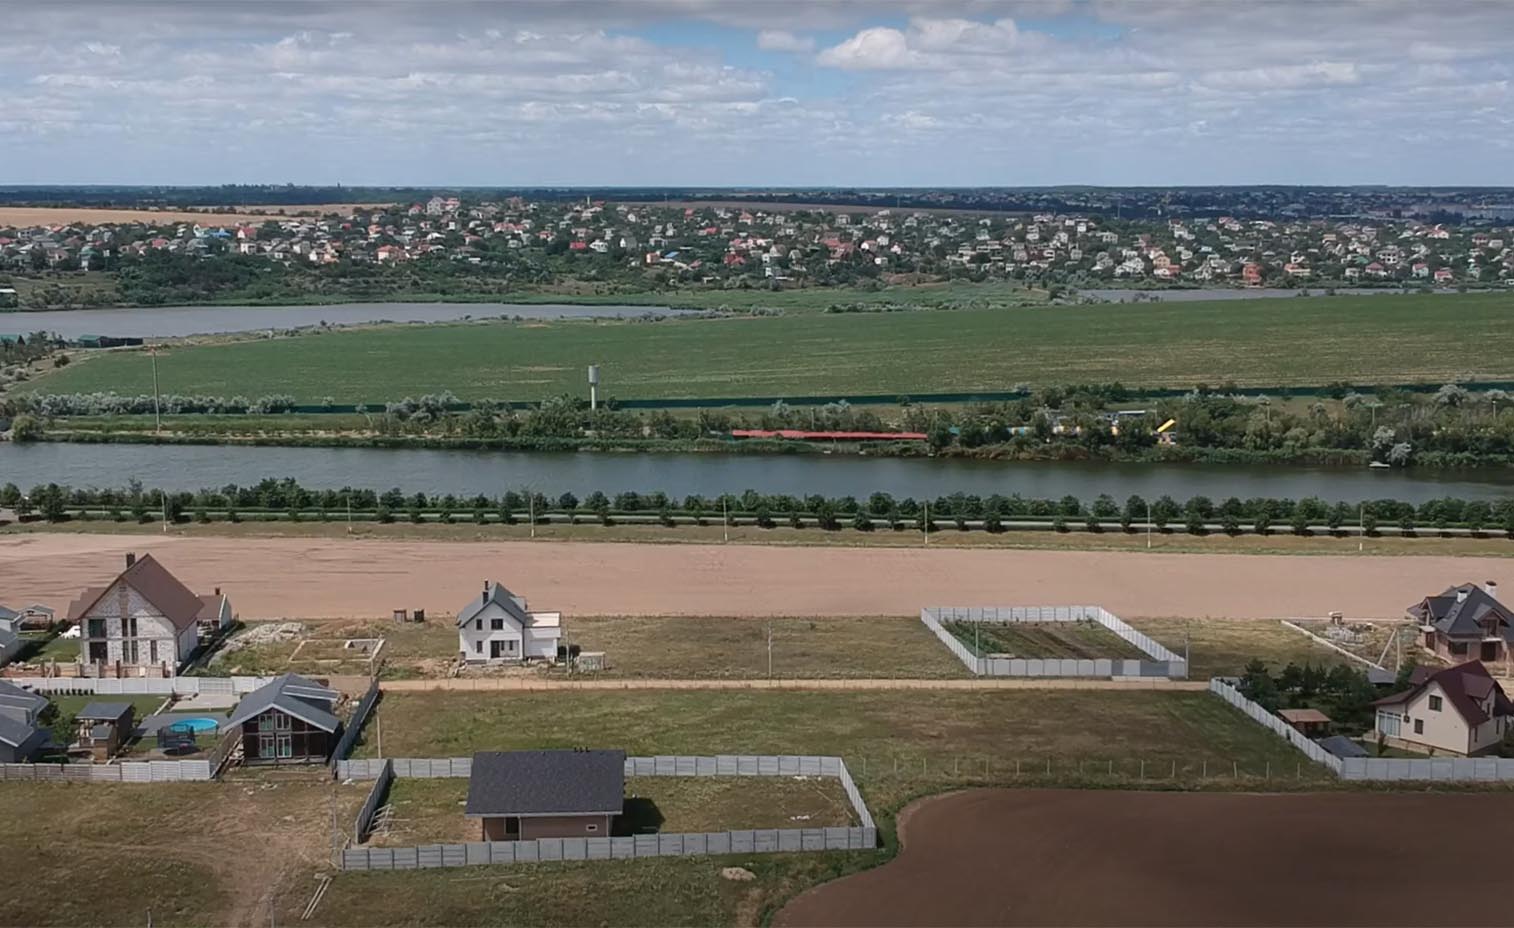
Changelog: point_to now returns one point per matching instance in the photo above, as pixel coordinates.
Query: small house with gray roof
(1466, 622)
(496, 627)
(523, 795)
(102, 729)
(289, 720)
(22, 736)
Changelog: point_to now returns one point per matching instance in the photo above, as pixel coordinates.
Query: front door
(494, 650)
(1490, 651)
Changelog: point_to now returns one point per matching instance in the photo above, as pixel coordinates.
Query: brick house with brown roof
(143, 622)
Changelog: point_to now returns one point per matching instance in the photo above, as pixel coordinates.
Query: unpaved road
(324, 578)
(1106, 857)
(358, 684)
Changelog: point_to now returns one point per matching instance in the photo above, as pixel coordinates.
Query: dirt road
(1067, 857)
(324, 578)
(358, 684)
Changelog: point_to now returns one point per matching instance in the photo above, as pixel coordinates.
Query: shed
(103, 727)
(521, 795)
(1307, 721)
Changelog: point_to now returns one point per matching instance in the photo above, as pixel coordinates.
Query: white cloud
(777, 40)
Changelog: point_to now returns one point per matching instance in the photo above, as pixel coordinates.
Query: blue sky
(758, 92)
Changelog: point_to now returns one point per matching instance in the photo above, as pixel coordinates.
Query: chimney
(486, 589)
(218, 591)
(1461, 594)
(131, 558)
(1491, 587)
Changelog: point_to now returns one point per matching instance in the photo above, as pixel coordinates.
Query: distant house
(495, 626)
(1460, 710)
(10, 634)
(102, 729)
(522, 795)
(290, 720)
(22, 736)
(1465, 622)
(144, 620)
(215, 614)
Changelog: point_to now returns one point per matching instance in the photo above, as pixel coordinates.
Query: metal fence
(355, 724)
(1164, 663)
(364, 822)
(149, 771)
(742, 841)
(142, 686)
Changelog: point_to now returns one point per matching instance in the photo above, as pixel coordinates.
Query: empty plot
(1054, 640)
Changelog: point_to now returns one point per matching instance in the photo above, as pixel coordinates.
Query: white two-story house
(144, 621)
(1460, 711)
(496, 627)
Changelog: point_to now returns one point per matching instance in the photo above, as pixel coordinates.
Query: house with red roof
(144, 621)
(1459, 711)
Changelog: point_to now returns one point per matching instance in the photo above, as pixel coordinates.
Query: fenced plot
(1083, 639)
(859, 836)
(1029, 624)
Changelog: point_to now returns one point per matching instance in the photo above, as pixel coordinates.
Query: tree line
(1196, 515)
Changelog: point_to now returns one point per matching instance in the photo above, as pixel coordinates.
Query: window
(265, 745)
(1419, 726)
(478, 625)
(496, 624)
(281, 722)
(1387, 724)
(286, 746)
(510, 645)
(478, 647)
(1434, 703)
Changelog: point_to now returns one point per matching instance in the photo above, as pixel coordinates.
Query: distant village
(710, 244)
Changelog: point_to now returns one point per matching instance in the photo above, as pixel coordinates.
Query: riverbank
(330, 577)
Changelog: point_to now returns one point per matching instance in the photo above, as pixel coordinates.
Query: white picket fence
(147, 771)
(863, 836)
(142, 686)
(1164, 663)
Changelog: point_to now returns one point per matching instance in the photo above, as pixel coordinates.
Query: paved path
(517, 684)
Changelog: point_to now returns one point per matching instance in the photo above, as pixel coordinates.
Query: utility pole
(163, 499)
(157, 409)
(1361, 527)
(531, 511)
(926, 524)
(349, 513)
(1148, 525)
(725, 519)
(770, 650)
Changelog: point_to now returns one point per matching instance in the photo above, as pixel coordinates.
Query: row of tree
(1198, 514)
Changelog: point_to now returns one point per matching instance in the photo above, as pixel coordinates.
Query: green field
(1272, 342)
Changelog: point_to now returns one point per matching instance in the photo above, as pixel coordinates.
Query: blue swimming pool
(195, 725)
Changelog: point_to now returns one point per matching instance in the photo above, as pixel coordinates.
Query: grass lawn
(1265, 342)
(698, 647)
(1223, 647)
(430, 811)
(1078, 640)
(45, 646)
(895, 741)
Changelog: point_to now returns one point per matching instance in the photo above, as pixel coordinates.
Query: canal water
(176, 321)
(191, 467)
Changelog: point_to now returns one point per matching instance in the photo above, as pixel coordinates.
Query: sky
(756, 93)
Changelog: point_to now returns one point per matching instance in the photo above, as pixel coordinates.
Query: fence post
(1174, 770)
(1235, 770)
(1205, 774)
(1111, 768)
(1269, 770)
(1143, 770)
(1048, 766)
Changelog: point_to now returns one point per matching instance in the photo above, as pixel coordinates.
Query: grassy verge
(1216, 543)
(1250, 342)
(1223, 647)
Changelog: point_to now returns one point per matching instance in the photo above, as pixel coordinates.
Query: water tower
(593, 386)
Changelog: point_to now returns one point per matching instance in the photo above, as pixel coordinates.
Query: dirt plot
(321, 578)
(409, 648)
(1044, 857)
(430, 811)
(191, 853)
(1076, 640)
(1222, 647)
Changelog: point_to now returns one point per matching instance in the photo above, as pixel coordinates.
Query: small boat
(1379, 464)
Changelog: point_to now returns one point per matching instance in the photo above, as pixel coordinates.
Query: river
(192, 467)
(177, 321)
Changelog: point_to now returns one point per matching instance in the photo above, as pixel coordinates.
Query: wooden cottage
(290, 720)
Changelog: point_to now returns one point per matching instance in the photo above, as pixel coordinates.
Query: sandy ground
(270, 578)
(1066, 857)
(24, 216)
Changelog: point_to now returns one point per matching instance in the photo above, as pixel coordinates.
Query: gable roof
(1467, 686)
(16, 701)
(495, 592)
(547, 783)
(292, 695)
(15, 732)
(152, 582)
(1460, 611)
